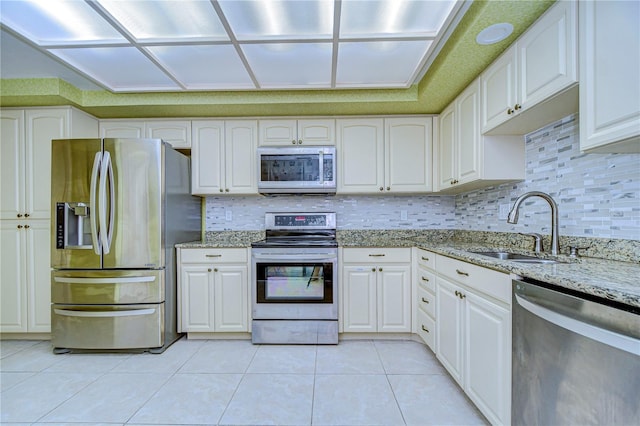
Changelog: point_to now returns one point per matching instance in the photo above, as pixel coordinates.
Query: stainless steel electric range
(294, 280)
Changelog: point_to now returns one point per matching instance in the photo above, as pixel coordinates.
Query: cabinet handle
(454, 181)
(517, 107)
(425, 300)
(377, 255)
(425, 258)
(459, 294)
(19, 226)
(424, 328)
(425, 279)
(462, 295)
(213, 255)
(466, 274)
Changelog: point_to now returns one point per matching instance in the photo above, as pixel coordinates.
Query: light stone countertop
(610, 279)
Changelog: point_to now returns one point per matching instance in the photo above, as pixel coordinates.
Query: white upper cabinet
(175, 132)
(468, 160)
(610, 76)
(297, 132)
(541, 64)
(223, 157)
(378, 155)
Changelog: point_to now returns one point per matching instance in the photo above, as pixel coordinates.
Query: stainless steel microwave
(299, 169)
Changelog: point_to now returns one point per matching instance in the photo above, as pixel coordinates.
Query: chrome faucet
(513, 216)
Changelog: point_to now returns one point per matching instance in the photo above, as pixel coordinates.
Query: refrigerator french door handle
(106, 234)
(105, 314)
(95, 241)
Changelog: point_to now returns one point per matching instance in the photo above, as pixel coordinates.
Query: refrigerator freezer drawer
(107, 287)
(107, 327)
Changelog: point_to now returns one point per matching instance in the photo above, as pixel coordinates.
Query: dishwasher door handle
(616, 340)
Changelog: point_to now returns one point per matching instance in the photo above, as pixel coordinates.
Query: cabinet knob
(209, 269)
(510, 111)
(424, 328)
(26, 215)
(19, 226)
(215, 269)
(425, 300)
(388, 188)
(299, 141)
(221, 190)
(226, 190)
(380, 269)
(372, 269)
(381, 189)
(27, 227)
(517, 107)
(19, 214)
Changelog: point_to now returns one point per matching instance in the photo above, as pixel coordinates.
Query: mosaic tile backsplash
(598, 195)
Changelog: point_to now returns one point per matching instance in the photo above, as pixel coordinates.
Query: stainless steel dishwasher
(576, 358)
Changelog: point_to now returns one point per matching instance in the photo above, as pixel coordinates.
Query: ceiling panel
(158, 45)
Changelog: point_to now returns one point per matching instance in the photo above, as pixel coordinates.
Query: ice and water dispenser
(73, 226)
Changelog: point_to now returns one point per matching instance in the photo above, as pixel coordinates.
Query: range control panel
(300, 220)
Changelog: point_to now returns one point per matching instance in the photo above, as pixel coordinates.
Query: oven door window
(301, 283)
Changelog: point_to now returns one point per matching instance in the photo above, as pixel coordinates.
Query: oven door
(294, 286)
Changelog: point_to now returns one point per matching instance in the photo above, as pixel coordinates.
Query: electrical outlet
(504, 211)
(403, 215)
(228, 215)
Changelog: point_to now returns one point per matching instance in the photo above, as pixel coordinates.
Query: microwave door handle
(321, 167)
(93, 192)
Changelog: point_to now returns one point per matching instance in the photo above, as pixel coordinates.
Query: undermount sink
(515, 257)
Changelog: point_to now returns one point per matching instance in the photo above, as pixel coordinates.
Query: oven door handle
(278, 258)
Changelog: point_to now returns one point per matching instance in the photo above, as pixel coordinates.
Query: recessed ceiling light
(494, 33)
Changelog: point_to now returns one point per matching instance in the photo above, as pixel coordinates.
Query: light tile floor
(232, 382)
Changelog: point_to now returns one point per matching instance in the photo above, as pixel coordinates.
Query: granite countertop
(609, 279)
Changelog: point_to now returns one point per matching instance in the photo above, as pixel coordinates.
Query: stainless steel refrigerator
(119, 207)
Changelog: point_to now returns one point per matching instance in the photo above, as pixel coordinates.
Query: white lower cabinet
(425, 298)
(25, 282)
(473, 333)
(376, 290)
(213, 287)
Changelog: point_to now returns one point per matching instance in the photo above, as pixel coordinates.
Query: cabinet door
(609, 70)
(38, 275)
(449, 328)
(447, 172)
(408, 146)
(42, 125)
(230, 294)
(240, 157)
(13, 288)
(468, 133)
(122, 129)
(499, 91)
(547, 52)
(278, 132)
(207, 158)
(12, 152)
(488, 358)
(177, 133)
(360, 156)
(317, 132)
(394, 298)
(197, 294)
(359, 298)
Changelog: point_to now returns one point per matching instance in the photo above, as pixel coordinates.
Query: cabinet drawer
(492, 283)
(227, 255)
(427, 329)
(426, 259)
(426, 279)
(426, 302)
(376, 255)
